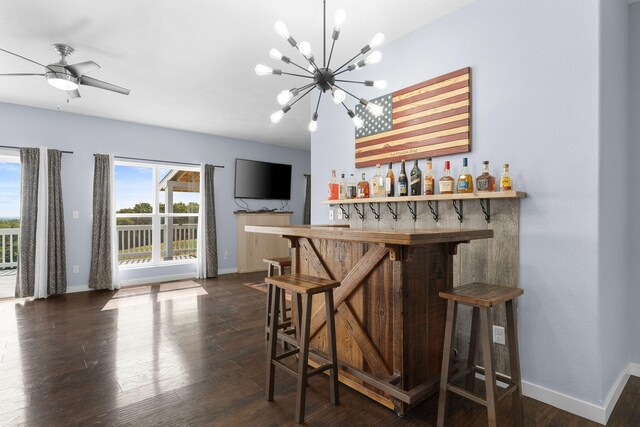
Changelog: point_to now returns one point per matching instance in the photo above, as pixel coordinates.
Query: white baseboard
(590, 411)
(227, 270)
(634, 369)
(81, 288)
(157, 279)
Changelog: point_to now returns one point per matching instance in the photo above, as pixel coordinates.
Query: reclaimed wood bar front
(389, 318)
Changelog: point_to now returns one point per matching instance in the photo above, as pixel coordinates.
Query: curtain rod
(162, 161)
(17, 148)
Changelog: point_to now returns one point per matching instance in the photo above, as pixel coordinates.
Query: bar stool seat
(302, 288)
(482, 297)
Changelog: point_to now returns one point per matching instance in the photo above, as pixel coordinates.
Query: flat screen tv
(262, 180)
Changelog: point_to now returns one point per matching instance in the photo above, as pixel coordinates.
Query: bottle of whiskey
(363, 188)
(485, 182)
(416, 178)
(342, 188)
(429, 180)
(332, 193)
(446, 183)
(506, 182)
(389, 182)
(377, 184)
(465, 180)
(351, 187)
(403, 182)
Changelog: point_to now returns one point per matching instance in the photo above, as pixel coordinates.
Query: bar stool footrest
(287, 354)
(319, 370)
(285, 368)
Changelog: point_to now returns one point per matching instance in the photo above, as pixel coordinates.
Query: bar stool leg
(333, 354)
(304, 359)
(297, 300)
(273, 342)
(267, 318)
(473, 346)
(283, 314)
(450, 327)
(514, 363)
(486, 328)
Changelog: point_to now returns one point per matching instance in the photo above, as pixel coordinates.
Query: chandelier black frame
(324, 78)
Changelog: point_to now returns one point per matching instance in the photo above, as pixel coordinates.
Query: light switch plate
(76, 214)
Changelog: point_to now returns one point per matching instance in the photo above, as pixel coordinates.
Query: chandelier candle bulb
(284, 97)
(278, 115)
(373, 58)
(305, 49)
(313, 124)
(277, 55)
(338, 95)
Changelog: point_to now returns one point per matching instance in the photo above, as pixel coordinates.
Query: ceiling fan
(68, 77)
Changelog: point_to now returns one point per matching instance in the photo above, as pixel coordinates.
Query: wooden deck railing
(9, 247)
(135, 241)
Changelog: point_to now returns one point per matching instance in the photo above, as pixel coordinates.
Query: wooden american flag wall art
(429, 119)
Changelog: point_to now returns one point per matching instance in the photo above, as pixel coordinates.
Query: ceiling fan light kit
(67, 77)
(323, 77)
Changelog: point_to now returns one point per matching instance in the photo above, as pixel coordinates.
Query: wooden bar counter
(389, 318)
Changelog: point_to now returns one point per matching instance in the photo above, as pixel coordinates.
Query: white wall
(535, 105)
(614, 218)
(84, 135)
(633, 250)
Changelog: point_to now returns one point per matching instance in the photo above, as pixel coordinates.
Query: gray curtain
(56, 253)
(30, 167)
(307, 202)
(100, 272)
(210, 212)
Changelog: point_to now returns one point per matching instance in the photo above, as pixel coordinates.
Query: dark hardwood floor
(185, 353)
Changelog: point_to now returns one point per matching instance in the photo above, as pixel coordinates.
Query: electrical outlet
(76, 214)
(76, 269)
(498, 335)
(226, 255)
(330, 214)
(339, 213)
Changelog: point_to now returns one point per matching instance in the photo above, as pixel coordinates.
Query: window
(156, 214)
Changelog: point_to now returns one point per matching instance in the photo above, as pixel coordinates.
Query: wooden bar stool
(302, 288)
(277, 265)
(482, 297)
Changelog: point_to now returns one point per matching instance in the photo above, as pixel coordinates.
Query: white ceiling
(189, 63)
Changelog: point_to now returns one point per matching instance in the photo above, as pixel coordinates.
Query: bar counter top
(413, 237)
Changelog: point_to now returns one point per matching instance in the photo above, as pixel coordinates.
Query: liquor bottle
(416, 178)
(377, 184)
(465, 180)
(485, 182)
(429, 180)
(342, 188)
(403, 182)
(363, 188)
(351, 187)
(333, 187)
(389, 182)
(446, 183)
(506, 182)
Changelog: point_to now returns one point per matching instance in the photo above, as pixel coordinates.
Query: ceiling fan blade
(26, 59)
(89, 81)
(73, 93)
(21, 74)
(82, 68)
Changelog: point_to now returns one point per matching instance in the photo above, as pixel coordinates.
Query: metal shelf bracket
(345, 214)
(459, 210)
(376, 213)
(485, 204)
(393, 213)
(360, 213)
(434, 212)
(412, 209)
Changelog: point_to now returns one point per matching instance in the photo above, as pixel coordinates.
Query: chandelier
(323, 77)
